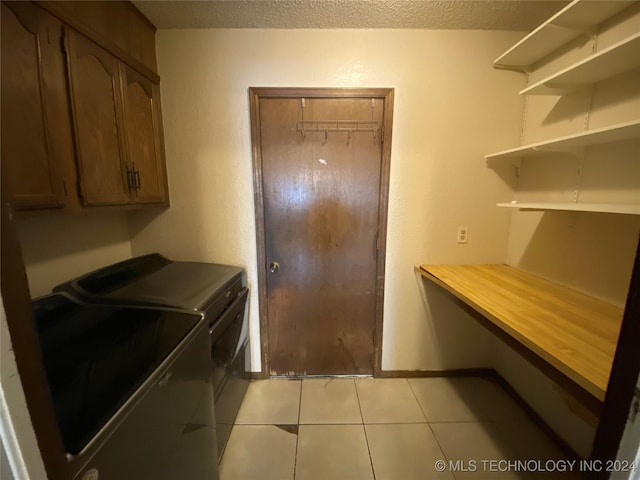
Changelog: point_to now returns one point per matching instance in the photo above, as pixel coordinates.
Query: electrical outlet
(463, 235)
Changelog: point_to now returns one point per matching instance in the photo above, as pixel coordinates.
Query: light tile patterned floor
(382, 429)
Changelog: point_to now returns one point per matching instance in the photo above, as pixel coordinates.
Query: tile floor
(383, 429)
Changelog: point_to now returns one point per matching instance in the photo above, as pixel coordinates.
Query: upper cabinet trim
(101, 40)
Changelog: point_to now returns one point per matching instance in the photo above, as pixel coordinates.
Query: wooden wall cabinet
(116, 123)
(34, 140)
(97, 119)
(143, 136)
(61, 89)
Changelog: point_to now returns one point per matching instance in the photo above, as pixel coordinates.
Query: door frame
(255, 95)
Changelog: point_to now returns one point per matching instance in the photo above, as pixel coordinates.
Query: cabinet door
(97, 116)
(144, 144)
(29, 170)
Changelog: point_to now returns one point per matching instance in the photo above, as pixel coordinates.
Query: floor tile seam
(396, 423)
(417, 401)
(366, 438)
(270, 424)
(355, 384)
(326, 424)
(461, 421)
(295, 457)
(444, 455)
(299, 402)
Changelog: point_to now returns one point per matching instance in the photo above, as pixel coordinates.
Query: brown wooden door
(321, 196)
(97, 113)
(29, 170)
(142, 126)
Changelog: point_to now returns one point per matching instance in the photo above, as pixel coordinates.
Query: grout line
(444, 455)
(446, 458)
(417, 401)
(359, 405)
(300, 402)
(295, 458)
(364, 429)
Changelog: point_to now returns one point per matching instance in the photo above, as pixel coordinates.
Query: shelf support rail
(578, 184)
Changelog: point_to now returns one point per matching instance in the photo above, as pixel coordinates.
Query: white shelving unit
(611, 61)
(597, 136)
(623, 209)
(577, 18)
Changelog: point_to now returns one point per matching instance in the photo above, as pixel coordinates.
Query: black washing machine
(131, 389)
(217, 291)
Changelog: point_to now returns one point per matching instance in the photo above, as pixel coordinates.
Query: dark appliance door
(168, 431)
(96, 357)
(229, 377)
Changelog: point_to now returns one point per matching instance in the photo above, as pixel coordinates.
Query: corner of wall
(58, 247)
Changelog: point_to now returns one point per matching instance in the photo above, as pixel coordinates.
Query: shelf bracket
(516, 163)
(525, 69)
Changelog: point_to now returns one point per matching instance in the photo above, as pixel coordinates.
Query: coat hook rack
(332, 126)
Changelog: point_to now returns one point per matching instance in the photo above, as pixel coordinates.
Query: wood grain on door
(321, 190)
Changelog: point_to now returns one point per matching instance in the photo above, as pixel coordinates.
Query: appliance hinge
(635, 406)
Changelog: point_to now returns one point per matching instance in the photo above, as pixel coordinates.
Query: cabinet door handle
(130, 179)
(137, 175)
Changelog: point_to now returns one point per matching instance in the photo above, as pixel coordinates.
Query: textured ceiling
(416, 14)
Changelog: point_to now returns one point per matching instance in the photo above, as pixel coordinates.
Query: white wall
(592, 253)
(451, 108)
(58, 247)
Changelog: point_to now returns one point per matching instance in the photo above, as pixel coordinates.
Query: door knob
(274, 267)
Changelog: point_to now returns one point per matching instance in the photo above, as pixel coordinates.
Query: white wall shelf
(624, 209)
(577, 18)
(611, 61)
(597, 136)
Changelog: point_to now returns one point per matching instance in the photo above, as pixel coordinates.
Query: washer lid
(154, 280)
(188, 285)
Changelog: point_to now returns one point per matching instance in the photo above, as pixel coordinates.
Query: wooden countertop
(573, 332)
